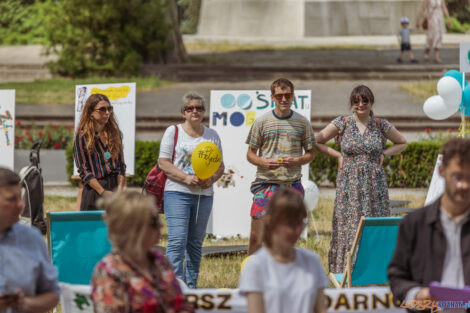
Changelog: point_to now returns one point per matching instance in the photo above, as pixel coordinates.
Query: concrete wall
(303, 18)
(357, 17)
(248, 18)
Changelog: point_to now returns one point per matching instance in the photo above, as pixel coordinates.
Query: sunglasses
(190, 108)
(154, 222)
(280, 96)
(103, 110)
(358, 99)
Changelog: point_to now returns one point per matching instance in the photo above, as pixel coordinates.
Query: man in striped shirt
(280, 142)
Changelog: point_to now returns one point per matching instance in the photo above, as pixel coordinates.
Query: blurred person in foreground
(135, 276)
(28, 280)
(434, 242)
(279, 278)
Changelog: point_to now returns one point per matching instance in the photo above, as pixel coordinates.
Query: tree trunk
(177, 52)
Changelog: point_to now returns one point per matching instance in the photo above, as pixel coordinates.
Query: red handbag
(155, 181)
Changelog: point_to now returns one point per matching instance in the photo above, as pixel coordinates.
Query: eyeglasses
(280, 96)
(190, 108)
(154, 222)
(103, 110)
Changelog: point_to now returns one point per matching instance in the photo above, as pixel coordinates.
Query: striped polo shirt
(277, 137)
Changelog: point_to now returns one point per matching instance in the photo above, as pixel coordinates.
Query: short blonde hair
(128, 215)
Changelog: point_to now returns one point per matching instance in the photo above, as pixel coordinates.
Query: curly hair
(110, 131)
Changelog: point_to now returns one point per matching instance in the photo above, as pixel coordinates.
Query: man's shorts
(405, 46)
(262, 192)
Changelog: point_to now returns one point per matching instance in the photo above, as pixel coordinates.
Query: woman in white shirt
(280, 278)
(187, 200)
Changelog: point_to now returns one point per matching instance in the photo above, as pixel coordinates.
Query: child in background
(404, 40)
(280, 278)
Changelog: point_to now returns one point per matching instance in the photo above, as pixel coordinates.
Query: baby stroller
(33, 191)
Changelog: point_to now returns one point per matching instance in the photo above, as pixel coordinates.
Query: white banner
(437, 185)
(76, 299)
(7, 128)
(465, 57)
(232, 114)
(122, 97)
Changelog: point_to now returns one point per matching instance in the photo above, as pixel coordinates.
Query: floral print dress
(118, 287)
(436, 25)
(361, 187)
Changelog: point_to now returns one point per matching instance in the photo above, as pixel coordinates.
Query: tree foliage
(20, 22)
(111, 37)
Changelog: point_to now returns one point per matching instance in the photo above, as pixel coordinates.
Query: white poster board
(437, 185)
(122, 97)
(375, 299)
(465, 57)
(232, 114)
(7, 128)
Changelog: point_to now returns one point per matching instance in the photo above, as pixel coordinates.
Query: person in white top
(187, 200)
(280, 278)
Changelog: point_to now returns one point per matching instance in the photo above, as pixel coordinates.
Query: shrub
(190, 15)
(20, 22)
(108, 37)
(457, 27)
(412, 168)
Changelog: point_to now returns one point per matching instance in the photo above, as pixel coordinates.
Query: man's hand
(424, 294)
(191, 180)
(7, 301)
(107, 193)
(271, 164)
(288, 161)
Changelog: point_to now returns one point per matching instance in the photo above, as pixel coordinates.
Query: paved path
(329, 98)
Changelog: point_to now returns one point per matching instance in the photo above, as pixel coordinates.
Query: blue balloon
(455, 74)
(466, 99)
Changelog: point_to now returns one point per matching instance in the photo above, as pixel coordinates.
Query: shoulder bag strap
(175, 140)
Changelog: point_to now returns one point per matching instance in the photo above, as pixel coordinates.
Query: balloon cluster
(451, 97)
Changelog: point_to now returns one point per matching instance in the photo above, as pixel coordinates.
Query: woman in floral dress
(135, 276)
(361, 186)
(433, 11)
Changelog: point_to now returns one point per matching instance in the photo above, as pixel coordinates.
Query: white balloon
(451, 91)
(435, 108)
(311, 194)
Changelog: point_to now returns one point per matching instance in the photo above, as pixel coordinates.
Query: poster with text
(7, 128)
(123, 100)
(232, 112)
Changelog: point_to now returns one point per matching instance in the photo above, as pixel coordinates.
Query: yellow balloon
(243, 262)
(206, 159)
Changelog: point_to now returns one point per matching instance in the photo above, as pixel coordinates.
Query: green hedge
(412, 168)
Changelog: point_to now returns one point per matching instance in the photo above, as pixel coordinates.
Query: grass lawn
(421, 90)
(61, 91)
(220, 47)
(223, 271)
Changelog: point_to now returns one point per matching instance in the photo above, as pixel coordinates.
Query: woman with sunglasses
(279, 277)
(135, 276)
(187, 200)
(98, 151)
(361, 185)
